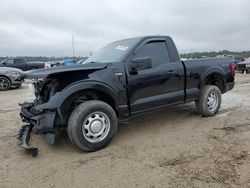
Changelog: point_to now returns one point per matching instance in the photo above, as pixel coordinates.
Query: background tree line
(191, 55)
(43, 58)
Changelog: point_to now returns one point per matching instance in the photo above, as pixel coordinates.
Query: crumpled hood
(42, 73)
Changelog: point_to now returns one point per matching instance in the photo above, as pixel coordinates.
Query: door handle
(173, 73)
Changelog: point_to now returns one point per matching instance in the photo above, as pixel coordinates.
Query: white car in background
(10, 78)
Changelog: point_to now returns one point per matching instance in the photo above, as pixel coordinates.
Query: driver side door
(157, 86)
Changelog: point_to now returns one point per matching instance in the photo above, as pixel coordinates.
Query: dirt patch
(216, 165)
(181, 159)
(238, 128)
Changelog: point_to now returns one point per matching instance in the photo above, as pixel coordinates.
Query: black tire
(81, 114)
(204, 107)
(4, 83)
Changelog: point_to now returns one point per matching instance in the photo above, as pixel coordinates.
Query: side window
(156, 50)
(18, 61)
(9, 62)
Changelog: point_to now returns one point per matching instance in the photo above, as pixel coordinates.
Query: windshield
(113, 52)
(2, 61)
(248, 59)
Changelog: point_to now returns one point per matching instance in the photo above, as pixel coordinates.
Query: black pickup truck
(122, 79)
(20, 63)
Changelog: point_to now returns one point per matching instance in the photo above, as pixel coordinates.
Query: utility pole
(73, 47)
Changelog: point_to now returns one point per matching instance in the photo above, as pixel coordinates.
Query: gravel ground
(172, 148)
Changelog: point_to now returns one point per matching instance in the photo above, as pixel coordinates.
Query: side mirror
(3, 63)
(140, 63)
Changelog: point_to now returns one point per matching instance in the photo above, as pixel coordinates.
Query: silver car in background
(10, 78)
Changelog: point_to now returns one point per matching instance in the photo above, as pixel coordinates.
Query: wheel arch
(86, 94)
(215, 77)
(103, 91)
(79, 93)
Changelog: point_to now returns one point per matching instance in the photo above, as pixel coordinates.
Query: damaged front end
(34, 115)
(49, 112)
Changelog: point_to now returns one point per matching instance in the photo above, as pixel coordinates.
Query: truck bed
(198, 69)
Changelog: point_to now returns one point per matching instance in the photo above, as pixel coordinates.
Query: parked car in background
(244, 66)
(50, 64)
(64, 62)
(81, 61)
(236, 59)
(69, 62)
(20, 63)
(10, 78)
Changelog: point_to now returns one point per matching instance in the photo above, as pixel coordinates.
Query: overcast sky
(45, 27)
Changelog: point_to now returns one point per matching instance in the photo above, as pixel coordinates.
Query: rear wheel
(92, 125)
(4, 83)
(209, 101)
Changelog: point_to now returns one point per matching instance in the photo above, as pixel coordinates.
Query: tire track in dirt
(216, 165)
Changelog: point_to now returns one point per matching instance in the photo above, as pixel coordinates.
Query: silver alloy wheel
(212, 101)
(96, 127)
(4, 84)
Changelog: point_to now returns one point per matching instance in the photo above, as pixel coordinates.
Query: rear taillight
(232, 67)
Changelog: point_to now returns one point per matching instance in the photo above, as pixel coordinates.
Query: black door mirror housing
(140, 63)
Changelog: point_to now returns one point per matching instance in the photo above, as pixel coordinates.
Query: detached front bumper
(43, 122)
(24, 136)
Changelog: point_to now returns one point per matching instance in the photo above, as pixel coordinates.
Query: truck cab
(20, 63)
(15, 63)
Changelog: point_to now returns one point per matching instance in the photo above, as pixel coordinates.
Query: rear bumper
(16, 83)
(230, 86)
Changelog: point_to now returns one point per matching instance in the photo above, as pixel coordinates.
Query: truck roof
(148, 36)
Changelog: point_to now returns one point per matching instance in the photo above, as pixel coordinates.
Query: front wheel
(92, 125)
(4, 83)
(209, 101)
